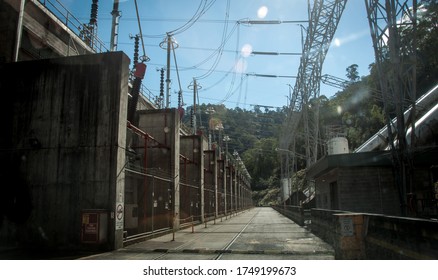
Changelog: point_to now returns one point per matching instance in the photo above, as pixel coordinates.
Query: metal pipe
(169, 45)
(19, 30)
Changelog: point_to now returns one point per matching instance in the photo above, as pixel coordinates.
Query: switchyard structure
(303, 108)
(117, 168)
(393, 27)
(396, 62)
(96, 163)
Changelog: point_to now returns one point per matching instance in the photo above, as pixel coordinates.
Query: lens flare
(246, 50)
(262, 12)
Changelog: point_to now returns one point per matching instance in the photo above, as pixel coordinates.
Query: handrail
(74, 24)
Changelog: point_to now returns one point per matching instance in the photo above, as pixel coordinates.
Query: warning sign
(119, 215)
(347, 228)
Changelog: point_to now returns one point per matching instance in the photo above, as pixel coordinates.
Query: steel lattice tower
(393, 31)
(304, 105)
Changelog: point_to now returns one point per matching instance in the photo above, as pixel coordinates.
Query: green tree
(353, 73)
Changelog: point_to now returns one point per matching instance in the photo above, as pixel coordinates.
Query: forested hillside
(356, 111)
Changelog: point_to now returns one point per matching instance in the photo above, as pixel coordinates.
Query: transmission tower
(304, 105)
(393, 31)
(334, 81)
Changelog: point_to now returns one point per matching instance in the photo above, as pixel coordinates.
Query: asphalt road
(256, 234)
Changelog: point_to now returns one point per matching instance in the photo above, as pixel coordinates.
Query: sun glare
(240, 66)
(262, 12)
(246, 50)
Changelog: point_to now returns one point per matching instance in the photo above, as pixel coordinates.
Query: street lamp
(226, 139)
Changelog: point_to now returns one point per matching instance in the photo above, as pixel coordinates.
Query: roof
(423, 157)
(329, 162)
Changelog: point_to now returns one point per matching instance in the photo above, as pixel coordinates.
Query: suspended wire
(240, 92)
(246, 91)
(191, 21)
(222, 45)
(206, 7)
(234, 91)
(220, 50)
(141, 33)
(177, 74)
(221, 79)
(236, 59)
(203, 7)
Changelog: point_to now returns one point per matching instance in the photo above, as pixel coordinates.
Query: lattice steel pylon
(323, 21)
(393, 31)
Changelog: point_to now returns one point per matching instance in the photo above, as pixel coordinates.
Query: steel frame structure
(304, 106)
(390, 21)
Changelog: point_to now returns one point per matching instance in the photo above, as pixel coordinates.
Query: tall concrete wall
(192, 176)
(210, 184)
(43, 34)
(162, 162)
(62, 148)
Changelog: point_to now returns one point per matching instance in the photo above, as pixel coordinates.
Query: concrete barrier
(295, 213)
(373, 236)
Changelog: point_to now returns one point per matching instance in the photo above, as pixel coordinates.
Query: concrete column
(173, 126)
(231, 188)
(225, 185)
(350, 236)
(235, 189)
(201, 187)
(215, 182)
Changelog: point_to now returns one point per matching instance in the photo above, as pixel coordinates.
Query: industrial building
(91, 162)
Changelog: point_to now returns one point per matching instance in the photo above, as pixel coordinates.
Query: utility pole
(169, 44)
(194, 86)
(115, 26)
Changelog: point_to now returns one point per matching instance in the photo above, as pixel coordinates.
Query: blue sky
(234, 81)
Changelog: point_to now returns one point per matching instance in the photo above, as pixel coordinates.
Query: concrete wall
(210, 184)
(162, 162)
(192, 176)
(43, 36)
(400, 238)
(221, 187)
(295, 213)
(62, 147)
(372, 236)
(364, 189)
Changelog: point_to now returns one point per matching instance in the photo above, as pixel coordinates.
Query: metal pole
(169, 45)
(115, 26)
(194, 105)
(19, 30)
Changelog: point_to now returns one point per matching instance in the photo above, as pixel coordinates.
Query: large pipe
(115, 26)
(19, 30)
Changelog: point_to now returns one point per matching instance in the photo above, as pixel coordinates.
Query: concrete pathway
(256, 234)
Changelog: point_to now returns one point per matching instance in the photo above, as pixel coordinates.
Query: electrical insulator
(93, 16)
(179, 98)
(136, 47)
(162, 82)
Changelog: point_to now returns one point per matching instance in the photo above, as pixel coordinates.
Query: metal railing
(82, 30)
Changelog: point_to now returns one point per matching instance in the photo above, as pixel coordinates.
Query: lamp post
(226, 140)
